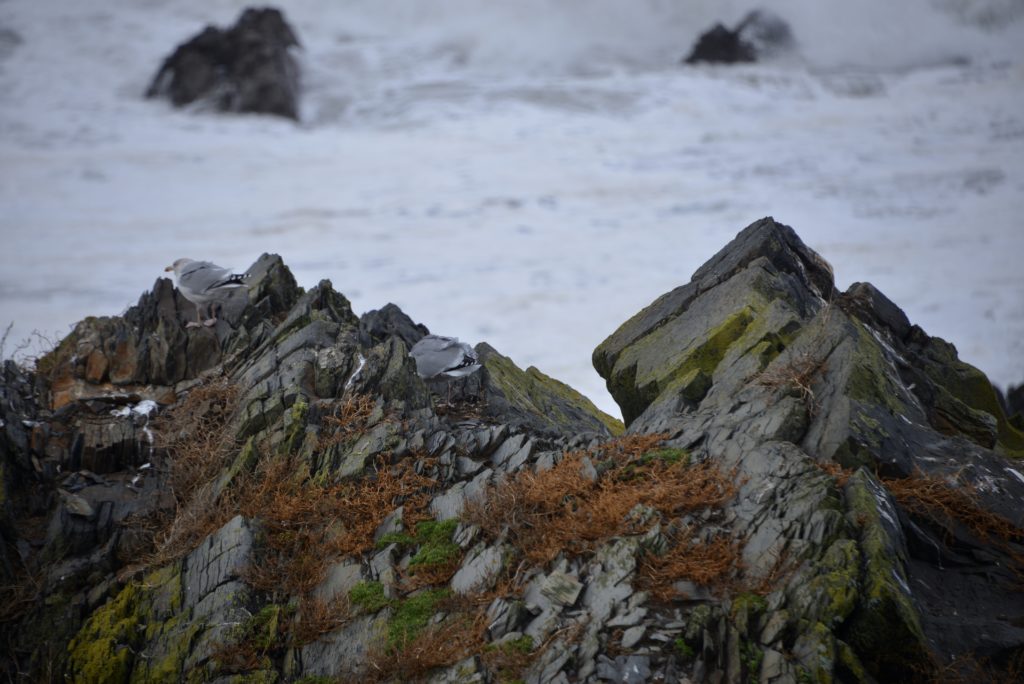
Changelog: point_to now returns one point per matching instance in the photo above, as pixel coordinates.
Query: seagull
(203, 283)
(436, 355)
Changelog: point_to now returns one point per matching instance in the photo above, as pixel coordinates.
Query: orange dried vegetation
(308, 524)
(316, 617)
(564, 510)
(199, 444)
(348, 419)
(686, 559)
(458, 636)
(943, 502)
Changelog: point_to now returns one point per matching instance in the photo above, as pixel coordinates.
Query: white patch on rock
(1016, 474)
(359, 369)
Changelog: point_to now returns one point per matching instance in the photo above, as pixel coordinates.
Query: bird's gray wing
(200, 276)
(434, 354)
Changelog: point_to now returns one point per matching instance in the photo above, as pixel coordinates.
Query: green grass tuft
(368, 596)
(412, 615)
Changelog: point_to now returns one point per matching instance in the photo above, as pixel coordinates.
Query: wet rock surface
(245, 68)
(759, 35)
(345, 519)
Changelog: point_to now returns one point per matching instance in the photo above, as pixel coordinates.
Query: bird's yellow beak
(169, 268)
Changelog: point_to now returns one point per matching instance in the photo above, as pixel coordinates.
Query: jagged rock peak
(760, 365)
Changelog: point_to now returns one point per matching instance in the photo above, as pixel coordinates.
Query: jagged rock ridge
(785, 435)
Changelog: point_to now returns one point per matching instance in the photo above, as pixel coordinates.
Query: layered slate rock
(814, 407)
(760, 365)
(245, 68)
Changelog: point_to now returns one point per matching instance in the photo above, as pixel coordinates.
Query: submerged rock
(246, 68)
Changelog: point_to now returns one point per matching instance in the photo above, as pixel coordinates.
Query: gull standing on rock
(436, 355)
(203, 283)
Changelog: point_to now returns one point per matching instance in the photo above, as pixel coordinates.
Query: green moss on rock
(103, 650)
(885, 626)
(869, 381)
(669, 455)
(413, 614)
(368, 596)
(970, 386)
(542, 395)
(636, 381)
(436, 545)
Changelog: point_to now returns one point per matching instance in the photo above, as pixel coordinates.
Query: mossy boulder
(532, 399)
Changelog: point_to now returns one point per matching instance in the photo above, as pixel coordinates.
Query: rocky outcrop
(759, 35)
(809, 488)
(760, 365)
(246, 68)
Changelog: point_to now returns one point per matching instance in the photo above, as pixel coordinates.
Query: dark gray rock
(759, 35)
(246, 68)
(390, 321)
(792, 374)
(219, 560)
(634, 669)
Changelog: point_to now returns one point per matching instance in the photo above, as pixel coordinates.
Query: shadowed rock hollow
(809, 488)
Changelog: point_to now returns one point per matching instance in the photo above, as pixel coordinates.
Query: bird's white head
(177, 266)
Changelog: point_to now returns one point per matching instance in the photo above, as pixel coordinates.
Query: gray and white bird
(204, 284)
(437, 356)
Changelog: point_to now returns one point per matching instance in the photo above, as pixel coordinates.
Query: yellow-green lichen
(103, 650)
(886, 624)
(970, 386)
(539, 393)
(295, 426)
(255, 677)
(869, 381)
(638, 379)
(835, 586)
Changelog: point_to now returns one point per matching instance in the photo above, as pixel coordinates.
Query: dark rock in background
(246, 68)
(1014, 405)
(759, 35)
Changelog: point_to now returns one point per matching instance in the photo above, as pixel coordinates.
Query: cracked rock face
(830, 417)
(760, 365)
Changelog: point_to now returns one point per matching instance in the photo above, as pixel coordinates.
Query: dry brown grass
(938, 500)
(562, 510)
(317, 617)
(348, 419)
(460, 635)
(798, 375)
(707, 564)
(308, 524)
(969, 669)
(837, 472)
(19, 597)
(195, 435)
(199, 445)
(628, 448)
